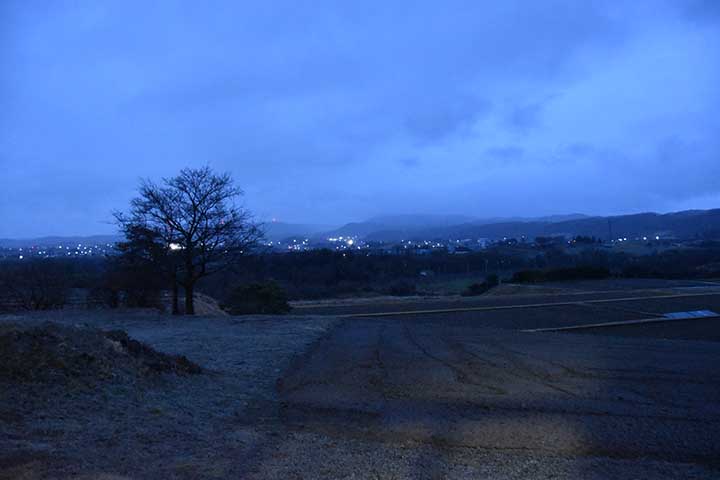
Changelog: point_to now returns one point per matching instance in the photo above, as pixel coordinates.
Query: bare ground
(167, 425)
(387, 398)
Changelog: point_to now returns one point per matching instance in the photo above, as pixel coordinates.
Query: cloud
(445, 116)
(410, 162)
(701, 10)
(506, 153)
(528, 116)
(322, 110)
(525, 118)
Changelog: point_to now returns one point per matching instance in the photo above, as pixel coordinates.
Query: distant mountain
(686, 224)
(403, 224)
(275, 231)
(58, 240)
(420, 221)
(560, 218)
(548, 219)
(398, 227)
(389, 228)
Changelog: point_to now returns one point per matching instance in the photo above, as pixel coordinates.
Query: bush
(263, 298)
(474, 289)
(402, 289)
(559, 274)
(578, 273)
(103, 296)
(33, 285)
(528, 276)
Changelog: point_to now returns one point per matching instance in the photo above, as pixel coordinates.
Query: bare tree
(143, 266)
(33, 285)
(195, 217)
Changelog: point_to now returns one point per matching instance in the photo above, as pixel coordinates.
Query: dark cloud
(526, 117)
(410, 162)
(580, 149)
(507, 153)
(445, 117)
(529, 116)
(701, 10)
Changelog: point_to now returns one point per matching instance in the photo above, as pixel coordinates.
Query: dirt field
(428, 396)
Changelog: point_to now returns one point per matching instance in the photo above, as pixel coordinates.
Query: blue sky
(328, 112)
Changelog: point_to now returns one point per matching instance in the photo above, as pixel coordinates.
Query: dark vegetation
(325, 273)
(322, 274)
(401, 288)
(186, 228)
(264, 298)
(36, 285)
(559, 274)
(474, 289)
(264, 283)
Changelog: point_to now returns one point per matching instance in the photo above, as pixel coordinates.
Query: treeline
(559, 274)
(48, 284)
(323, 274)
(44, 284)
(264, 282)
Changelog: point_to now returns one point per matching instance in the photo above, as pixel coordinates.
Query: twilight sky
(328, 112)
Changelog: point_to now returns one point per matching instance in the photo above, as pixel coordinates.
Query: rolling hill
(686, 224)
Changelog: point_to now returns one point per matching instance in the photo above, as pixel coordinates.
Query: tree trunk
(189, 300)
(175, 294)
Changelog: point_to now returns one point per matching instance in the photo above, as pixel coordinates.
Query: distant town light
(350, 242)
(21, 257)
(175, 246)
(657, 237)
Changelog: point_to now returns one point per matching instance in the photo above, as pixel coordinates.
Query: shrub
(402, 289)
(474, 289)
(528, 276)
(578, 273)
(263, 298)
(559, 274)
(33, 285)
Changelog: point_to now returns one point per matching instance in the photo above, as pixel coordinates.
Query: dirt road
(389, 398)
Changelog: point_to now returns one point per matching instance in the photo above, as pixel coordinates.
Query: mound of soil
(205, 305)
(56, 353)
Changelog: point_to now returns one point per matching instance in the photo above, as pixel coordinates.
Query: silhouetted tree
(143, 266)
(33, 284)
(195, 220)
(265, 298)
